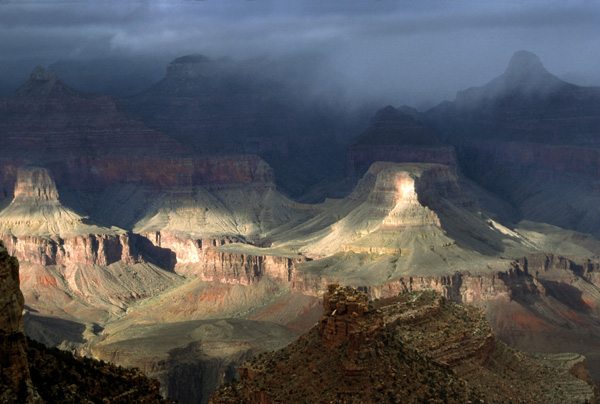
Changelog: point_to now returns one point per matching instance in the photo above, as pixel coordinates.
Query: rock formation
(15, 383)
(37, 228)
(396, 137)
(410, 348)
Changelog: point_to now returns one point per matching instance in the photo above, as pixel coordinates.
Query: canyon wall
(96, 249)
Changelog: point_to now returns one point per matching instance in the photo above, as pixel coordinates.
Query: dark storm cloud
(396, 51)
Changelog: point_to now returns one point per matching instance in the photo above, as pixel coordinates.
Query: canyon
(142, 244)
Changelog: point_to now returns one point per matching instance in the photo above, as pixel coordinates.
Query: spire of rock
(40, 74)
(43, 84)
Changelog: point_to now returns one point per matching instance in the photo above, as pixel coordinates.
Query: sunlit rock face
(37, 228)
(35, 184)
(388, 201)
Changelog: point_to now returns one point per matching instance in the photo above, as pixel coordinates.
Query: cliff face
(225, 259)
(16, 385)
(380, 352)
(94, 249)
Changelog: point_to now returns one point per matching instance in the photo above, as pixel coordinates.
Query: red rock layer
(97, 249)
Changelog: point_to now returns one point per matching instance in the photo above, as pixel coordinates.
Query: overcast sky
(416, 52)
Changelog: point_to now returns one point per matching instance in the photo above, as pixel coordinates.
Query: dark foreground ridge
(31, 373)
(417, 347)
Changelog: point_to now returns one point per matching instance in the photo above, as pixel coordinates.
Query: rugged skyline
(416, 53)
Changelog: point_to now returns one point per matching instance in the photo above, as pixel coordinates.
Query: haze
(389, 52)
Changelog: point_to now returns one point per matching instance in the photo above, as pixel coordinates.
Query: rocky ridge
(408, 348)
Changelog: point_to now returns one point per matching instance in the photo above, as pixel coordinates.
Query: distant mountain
(395, 137)
(531, 138)
(225, 106)
(525, 103)
(46, 120)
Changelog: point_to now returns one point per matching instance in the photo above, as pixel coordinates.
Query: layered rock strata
(36, 227)
(46, 120)
(396, 137)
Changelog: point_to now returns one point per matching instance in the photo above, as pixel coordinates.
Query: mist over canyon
(193, 221)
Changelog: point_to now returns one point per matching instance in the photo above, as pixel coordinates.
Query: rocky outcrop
(16, 385)
(379, 351)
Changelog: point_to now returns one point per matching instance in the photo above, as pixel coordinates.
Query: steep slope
(411, 348)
